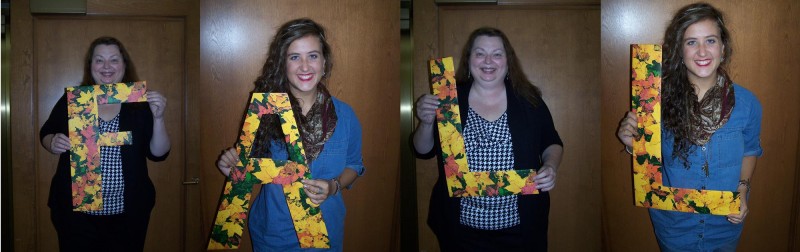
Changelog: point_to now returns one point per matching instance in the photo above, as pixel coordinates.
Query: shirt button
(701, 236)
(704, 187)
(702, 221)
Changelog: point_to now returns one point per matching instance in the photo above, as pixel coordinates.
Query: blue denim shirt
(738, 138)
(271, 226)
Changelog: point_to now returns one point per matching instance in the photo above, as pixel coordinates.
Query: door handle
(194, 181)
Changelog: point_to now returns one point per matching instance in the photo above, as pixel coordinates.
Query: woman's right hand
(56, 143)
(227, 161)
(426, 112)
(627, 129)
(426, 108)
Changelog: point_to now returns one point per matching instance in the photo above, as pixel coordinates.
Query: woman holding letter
(298, 61)
(710, 130)
(128, 195)
(506, 126)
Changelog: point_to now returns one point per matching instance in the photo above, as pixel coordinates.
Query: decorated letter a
(235, 204)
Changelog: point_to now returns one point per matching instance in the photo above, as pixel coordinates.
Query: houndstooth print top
(489, 148)
(113, 185)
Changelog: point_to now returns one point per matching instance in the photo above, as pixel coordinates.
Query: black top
(140, 193)
(532, 131)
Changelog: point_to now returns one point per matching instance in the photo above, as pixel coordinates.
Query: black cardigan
(532, 131)
(140, 193)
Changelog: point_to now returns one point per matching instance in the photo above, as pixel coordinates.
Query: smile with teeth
(702, 62)
(488, 70)
(305, 77)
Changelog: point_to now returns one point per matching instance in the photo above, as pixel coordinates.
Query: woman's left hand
(317, 189)
(157, 103)
(546, 179)
(739, 218)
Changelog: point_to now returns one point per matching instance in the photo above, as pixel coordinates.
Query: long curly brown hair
(678, 93)
(519, 82)
(130, 69)
(273, 78)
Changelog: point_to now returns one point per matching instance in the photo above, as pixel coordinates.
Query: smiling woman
(299, 60)
(711, 130)
(506, 126)
(128, 194)
(488, 60)
(702, 54)
(305, 68)
(107, 64)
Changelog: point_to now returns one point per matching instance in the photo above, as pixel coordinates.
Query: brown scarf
(318, 124)
(713, 111)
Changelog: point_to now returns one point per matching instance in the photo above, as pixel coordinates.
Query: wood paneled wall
(558, 47)
(765, 58)
(365, 40)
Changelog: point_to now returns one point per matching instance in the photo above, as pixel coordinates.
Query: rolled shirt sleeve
(355, 160)
(752, 131)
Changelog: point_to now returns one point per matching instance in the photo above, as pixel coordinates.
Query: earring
(508, 75)
(469, 75)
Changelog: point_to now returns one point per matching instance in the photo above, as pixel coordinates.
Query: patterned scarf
(318, 124)
(713, 111)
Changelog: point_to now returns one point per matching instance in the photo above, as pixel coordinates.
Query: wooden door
(558, 48)
(156, 46)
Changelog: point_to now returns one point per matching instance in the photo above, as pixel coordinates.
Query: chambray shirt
(271, 226)
(738, 138)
